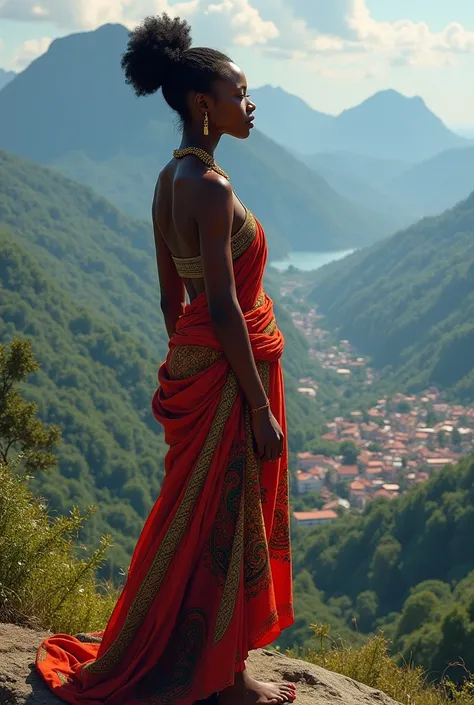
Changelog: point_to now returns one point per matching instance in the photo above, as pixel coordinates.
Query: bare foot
(248, 691)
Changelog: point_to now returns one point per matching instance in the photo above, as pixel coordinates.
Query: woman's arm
(213, 204)
(172, 291)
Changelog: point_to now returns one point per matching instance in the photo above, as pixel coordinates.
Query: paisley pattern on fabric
(279, 543)
(171, 679)
(218, 550)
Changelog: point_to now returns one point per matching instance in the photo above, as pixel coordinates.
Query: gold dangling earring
(206, 124)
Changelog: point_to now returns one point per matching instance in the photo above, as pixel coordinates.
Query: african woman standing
(210, 578)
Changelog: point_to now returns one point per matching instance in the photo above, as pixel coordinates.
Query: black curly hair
(159, 55)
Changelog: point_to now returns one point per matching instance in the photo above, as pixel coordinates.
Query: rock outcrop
(20, 685)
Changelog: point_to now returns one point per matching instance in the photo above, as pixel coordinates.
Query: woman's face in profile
(232, 110)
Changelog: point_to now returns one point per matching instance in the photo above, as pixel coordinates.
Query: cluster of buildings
(396, 448)
(339, 358)
(399, 442)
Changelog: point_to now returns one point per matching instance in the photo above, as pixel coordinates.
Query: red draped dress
(210, 577)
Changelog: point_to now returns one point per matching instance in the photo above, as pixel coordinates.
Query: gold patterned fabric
(191, 267)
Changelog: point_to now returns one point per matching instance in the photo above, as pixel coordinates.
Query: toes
(287, 689)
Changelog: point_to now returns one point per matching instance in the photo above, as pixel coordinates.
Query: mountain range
(408, 301)
(387, 125)
(88, 124)
(390, 154)
(316, 181)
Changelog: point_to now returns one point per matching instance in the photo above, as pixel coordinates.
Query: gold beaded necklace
(204, 156)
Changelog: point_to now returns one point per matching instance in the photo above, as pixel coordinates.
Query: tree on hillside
(366, 610)
(349, 452)
(456, 644)
(442, 439)
(456, 438)
(20, 429)
(418, 609)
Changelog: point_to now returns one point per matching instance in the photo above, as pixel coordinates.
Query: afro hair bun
(154, 48)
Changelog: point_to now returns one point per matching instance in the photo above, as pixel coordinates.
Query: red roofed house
(358, 494)
(375, 468)
(396, 447)
(337, 504)
(307, 460)
(308, 482)
(314, 518)
(344, 472)
(330, 437)
(383, 493)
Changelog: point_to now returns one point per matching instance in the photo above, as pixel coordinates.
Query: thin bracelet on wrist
(261, 408)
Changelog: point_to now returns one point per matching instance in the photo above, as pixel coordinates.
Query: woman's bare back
(174, 217)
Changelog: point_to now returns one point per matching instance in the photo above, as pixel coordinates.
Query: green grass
(372, 665)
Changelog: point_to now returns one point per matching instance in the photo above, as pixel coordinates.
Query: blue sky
(332, 53)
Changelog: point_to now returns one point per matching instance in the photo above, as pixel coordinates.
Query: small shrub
(44, 581)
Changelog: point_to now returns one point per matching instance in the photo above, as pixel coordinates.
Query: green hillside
(97, 132)
(79, 279)
(95, 382)
(406, 566)
(408, 301)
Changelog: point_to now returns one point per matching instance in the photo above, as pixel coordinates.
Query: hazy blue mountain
(390, 125)
(373, 171)
(436, 184)
(387, 126)
(362, 180)
(288, 119)
(6, 77)
(408, 301)
(88, 123)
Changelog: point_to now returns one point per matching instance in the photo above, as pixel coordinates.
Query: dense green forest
(405, 566)
(408, 301)
(96, 131)
(79, 280)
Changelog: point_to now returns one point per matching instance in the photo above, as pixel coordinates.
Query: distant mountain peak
(111, 33)
(388, 98)
(6, 77)
(269, 90)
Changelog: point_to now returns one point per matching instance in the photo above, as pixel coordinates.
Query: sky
(331, 53)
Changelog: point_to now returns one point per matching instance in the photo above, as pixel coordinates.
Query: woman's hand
(267, 434)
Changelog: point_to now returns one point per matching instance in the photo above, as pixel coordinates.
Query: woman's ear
(201, 102)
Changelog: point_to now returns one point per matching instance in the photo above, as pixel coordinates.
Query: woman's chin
(244, 133)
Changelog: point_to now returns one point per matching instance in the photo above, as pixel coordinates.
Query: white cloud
(407, 35)
(29, 51)
(302, 30)
(65, 13)
(246, 26)
(314, 27)
(233, 21)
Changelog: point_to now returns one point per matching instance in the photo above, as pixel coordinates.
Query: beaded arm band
(261, 408)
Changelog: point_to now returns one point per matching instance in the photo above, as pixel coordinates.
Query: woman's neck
(194, 137)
